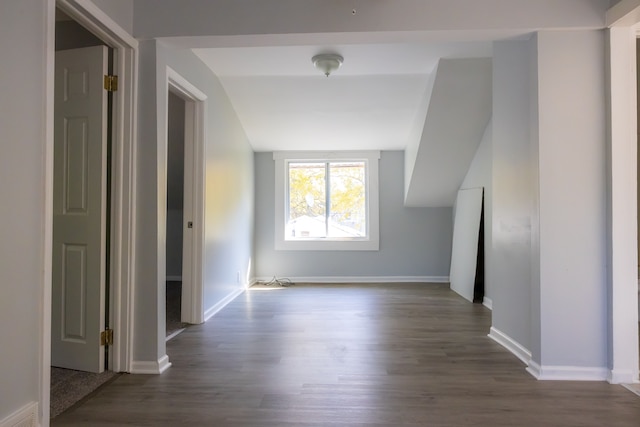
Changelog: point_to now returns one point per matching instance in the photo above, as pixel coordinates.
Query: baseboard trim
(626, 376)
(27, 416)
(488, 302)
(174, 279)
(150, 368)
(173, 335)
(510, 344)
(208, 314)
(361, 279)
(566, 373)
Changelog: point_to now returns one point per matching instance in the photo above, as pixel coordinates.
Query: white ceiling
(381, 98)
(371, 102)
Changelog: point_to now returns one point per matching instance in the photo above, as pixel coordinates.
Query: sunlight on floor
(266, 288)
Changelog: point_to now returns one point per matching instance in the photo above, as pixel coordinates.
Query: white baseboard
(151, 368)
(174, 278)
(27, 416)
(488, 302)
(567, 373)
(626, 376)
(361, 279)
(510, 344)
(208, 314)
(163, 364)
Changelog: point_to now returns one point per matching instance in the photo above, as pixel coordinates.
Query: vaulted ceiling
(404, 84)
(371, 102)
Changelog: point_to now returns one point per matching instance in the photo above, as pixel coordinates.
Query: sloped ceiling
(386, 96)
(458, 111)
(371, 102)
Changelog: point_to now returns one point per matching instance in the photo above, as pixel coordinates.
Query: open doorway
(121, 231)
(185, 200)
(175, 214)
(81, 214)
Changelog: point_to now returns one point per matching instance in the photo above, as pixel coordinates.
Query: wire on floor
(282, 282)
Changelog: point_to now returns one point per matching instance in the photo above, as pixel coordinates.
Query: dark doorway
(175, 213)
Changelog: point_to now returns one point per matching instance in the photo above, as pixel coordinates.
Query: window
(326, 201)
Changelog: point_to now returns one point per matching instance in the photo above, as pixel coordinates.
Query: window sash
(281, 160)
(328, 200)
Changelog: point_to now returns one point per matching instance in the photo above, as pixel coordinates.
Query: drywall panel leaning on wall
(464, 250)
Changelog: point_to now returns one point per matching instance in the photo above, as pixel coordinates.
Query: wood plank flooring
(349, 355)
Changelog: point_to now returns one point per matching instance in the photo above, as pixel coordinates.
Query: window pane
(348, 216)
(307, 201)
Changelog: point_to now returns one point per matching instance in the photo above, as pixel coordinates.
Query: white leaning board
(464, 251)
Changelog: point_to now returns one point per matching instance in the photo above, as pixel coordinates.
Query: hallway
(349, 355)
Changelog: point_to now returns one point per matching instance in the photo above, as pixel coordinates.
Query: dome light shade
(327, 62)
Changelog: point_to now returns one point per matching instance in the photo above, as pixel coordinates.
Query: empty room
(377, 213)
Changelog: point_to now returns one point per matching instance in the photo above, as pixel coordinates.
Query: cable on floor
(282, 282)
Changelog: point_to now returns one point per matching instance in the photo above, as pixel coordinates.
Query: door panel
(79, 209)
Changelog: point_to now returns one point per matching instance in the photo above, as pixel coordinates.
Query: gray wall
(120, 11)
(480, 174)
(228, 200)
(549, 227)
(23, 246)
(513, 86)
(414, 242)
(572, 206)
(224, 17)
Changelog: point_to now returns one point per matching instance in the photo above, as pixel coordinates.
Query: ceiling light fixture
(327, 62)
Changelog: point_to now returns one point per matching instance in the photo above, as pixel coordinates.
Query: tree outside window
(327, 200)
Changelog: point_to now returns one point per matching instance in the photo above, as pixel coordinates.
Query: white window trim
(372, 243)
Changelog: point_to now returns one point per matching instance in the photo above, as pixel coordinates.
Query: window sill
(327, 245)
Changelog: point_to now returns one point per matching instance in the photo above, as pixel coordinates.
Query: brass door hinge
(111, 83)
(106, 337)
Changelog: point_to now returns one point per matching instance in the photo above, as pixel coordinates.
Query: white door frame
(623, 20)
(192, 310)
(122, 185)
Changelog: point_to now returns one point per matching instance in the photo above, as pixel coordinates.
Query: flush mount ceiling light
(327, 62)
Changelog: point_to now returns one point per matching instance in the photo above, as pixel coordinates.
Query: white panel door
(79, 209)
(464, 251)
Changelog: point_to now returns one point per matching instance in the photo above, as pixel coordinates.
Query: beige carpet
(69, 387)
(174, 300)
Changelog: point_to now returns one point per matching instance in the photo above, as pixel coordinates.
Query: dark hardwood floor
(349, 355)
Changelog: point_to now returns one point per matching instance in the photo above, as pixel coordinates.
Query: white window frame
(369, 243)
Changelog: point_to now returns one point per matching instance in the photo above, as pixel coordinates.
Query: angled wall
(458, 110)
